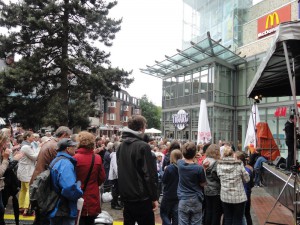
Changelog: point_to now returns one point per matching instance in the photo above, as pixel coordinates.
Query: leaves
(151, 112)
(55, 39)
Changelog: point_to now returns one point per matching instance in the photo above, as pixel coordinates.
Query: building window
(125, 118)
(112, 104)
(126, 108)
(136, 111)
(112, 116)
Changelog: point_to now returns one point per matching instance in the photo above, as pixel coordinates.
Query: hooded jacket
(232, 175)
(64, 180)
(137, 174)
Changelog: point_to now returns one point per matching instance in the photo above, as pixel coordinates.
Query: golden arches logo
(271, 18)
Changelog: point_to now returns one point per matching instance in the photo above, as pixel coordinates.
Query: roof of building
(197, 53)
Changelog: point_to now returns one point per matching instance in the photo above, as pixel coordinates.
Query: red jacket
(91, 206)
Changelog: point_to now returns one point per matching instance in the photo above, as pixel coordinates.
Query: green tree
(58, 42)
(151, 112)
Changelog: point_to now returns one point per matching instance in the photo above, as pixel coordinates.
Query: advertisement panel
(268, 24)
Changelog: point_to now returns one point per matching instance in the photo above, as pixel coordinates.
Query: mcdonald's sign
(268, 24)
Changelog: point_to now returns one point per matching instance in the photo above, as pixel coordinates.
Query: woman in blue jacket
(64, 181)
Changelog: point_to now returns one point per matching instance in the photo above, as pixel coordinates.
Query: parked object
(104, 219)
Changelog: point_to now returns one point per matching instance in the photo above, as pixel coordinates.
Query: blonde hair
(213, 151)
(86, 140)
(3, 137)
(175, 155)
(227, 151)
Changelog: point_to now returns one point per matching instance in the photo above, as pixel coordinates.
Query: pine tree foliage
(58, 41)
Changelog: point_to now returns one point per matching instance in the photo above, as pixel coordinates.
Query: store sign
(268, 24)
(180, 119)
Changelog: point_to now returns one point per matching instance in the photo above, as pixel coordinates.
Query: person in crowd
(190, 187)
(232, 176)
(247, 186)
(137, 174)
(84, 155)
(202, 154)
(36, 142)
(172, 146)
(213, 207)
(160, 172)
(289, 140)
(106, 164)
(46, 154)
(4, 159)
(258, 168)
(254, 156)
(64, 181)
(12, 183)
(113, 177)
(169, 203)
(25, 170)
(225, 145)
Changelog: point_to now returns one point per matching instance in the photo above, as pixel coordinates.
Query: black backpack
(41, 191)
(12, 183)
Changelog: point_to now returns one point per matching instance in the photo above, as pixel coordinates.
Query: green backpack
(42, 194)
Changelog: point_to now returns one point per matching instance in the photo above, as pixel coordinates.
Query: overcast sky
(150, 30)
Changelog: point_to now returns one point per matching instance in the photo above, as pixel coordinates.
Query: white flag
(204, 134)
(253, 120)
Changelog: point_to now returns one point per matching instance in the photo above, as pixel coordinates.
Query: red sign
(268, 24)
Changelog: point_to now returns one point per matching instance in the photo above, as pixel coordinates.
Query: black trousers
(140, 212)
(290, 158)
(213, 210)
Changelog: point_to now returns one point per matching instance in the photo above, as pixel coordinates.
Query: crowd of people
(196, 184)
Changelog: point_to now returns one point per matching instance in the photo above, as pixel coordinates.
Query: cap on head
(64, 143)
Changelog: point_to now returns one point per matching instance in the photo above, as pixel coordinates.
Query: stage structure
(279, 75)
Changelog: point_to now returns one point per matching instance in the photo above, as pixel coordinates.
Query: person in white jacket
(113, 177)
(25, 170)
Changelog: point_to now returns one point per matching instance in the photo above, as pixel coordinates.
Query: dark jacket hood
(129, 135)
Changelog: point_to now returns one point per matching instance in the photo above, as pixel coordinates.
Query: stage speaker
(278, 161)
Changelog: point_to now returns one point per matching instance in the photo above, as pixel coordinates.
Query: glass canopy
(205, 49)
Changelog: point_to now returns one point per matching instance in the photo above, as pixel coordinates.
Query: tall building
(224, 42)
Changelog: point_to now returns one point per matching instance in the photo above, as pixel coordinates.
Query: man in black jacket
(137, 174)
(289, 140)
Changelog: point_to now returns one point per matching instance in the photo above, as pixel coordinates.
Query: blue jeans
(258, 169)
(169, 212)
(62, 220)
(233, 213)
(190, 211)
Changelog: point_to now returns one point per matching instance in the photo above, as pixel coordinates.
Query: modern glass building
(223, 45)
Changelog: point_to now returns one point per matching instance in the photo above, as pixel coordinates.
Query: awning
(198, 52)
(272, 76)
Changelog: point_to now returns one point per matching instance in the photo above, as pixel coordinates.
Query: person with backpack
(46, 154)
(64, 181)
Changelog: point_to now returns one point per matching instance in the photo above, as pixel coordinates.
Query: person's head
(116, 145)
(110, 146)
(228, 152)
(175, 155)
(292, 118)
(241, 156)
(137, 123)
(67, 145)
(86, 140)
(189, 150)
(36, 137)
(159, 156)
(63, 132)
(3, 140)
(174, 145)
(7, 131)
(19, 138)
(28, 136)
(213, 151)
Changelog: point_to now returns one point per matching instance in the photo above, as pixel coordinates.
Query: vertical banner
(253, 120)
(204, 134)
